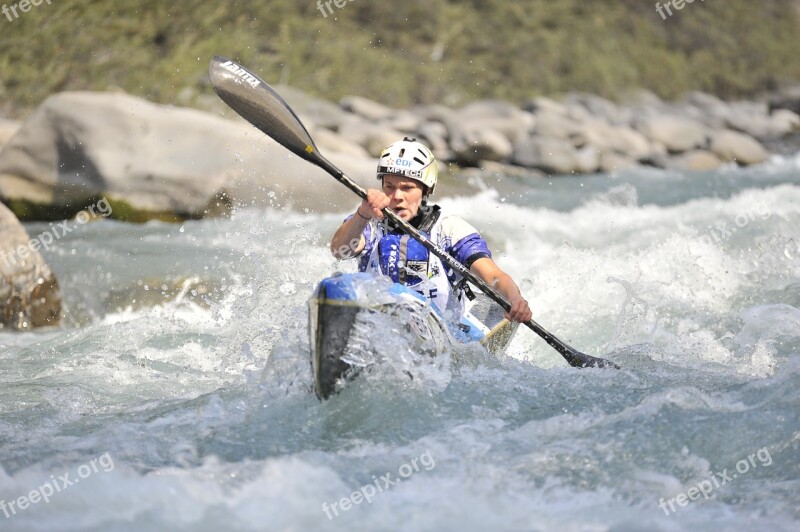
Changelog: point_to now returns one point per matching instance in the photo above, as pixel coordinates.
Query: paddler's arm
(490, 272)
(349, 241)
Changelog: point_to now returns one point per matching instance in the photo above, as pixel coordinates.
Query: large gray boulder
(154, 161)
(614, 162)
(738, 147)
(587, 160)
(8, 128)
(676, 133)
(434, 113)
(786, 120)
(327, 141)
(29, 293)
(579, 114)
(613, 139)
(365, 108)
(556, 125)
(404, 121)
(311, 110)
(543, 103)
(710, 119)
(596, 106)
(754, 119)
(435, 135)
(500, 116)
(474, 145)
(371, 136)
(704, 108)
(694, 161)
(706, 102)
(643, 98)
(551, 155)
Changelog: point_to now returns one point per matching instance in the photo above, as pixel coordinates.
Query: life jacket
(406, 261)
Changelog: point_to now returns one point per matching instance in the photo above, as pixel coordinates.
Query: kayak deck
(342, 303)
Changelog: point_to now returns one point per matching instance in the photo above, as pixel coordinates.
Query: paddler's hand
(372, 206)
(520, 311)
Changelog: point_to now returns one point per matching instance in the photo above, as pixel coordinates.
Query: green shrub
(401, 53)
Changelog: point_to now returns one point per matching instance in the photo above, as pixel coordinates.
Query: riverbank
(175, 163)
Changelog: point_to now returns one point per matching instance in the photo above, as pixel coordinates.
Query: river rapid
(177, 393)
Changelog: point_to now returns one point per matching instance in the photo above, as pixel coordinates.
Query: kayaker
(408, 172)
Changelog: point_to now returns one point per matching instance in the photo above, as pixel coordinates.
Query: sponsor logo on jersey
(418, 267)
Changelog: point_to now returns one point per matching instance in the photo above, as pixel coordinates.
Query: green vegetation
(120, 210)
(401, 53)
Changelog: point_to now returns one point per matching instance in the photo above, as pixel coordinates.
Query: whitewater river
(176, 395)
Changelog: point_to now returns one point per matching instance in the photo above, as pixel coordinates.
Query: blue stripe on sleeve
(469, 249)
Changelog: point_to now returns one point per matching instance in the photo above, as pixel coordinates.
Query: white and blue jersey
(408, 262)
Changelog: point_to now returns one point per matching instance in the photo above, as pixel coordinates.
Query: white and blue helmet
(412, 159)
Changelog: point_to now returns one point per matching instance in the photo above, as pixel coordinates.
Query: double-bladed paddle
(259, 104)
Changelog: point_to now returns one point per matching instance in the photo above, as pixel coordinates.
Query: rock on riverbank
(150, 161)
(29, 293)
(581, 133)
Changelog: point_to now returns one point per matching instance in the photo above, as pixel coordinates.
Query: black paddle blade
(258, 103)
(574, 358)
(577, 359)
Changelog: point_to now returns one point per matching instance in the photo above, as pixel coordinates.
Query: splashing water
(199, 389)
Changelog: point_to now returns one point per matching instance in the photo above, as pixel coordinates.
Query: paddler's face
(405, 195)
